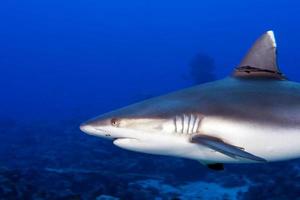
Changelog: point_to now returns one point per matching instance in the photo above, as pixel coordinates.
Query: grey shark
(251, 116)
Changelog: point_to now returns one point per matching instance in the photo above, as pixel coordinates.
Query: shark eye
(115, 122)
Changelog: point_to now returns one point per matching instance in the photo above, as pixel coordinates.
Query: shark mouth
(123, 138)
(107, 134)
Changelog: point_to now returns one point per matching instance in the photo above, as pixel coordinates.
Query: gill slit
(189, 120)
(194, 123)
(198, 125)
(175, 123)
(187, 123)
(182, 123)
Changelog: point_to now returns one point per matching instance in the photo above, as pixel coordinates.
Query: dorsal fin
(260, 61)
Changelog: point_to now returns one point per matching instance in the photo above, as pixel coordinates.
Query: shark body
(251, 116)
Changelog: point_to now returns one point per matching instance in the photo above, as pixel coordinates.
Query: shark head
(130, 122)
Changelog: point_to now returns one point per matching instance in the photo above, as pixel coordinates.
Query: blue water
(63, 62)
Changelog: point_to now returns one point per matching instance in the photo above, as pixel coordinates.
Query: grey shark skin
(251, 116)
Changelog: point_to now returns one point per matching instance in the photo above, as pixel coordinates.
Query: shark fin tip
(270, 33)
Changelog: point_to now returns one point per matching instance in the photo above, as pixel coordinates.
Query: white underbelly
(270, 143)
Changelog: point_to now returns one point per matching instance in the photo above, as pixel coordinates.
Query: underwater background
(63, 62)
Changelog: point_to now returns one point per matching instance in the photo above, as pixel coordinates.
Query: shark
(251, 116)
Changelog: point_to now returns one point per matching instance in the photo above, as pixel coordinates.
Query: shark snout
(97, 126)
(90, 126)
(87, 128)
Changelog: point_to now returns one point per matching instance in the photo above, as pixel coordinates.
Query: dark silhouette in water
(202, 68)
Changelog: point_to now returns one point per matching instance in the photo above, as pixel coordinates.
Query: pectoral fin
(224, 148)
